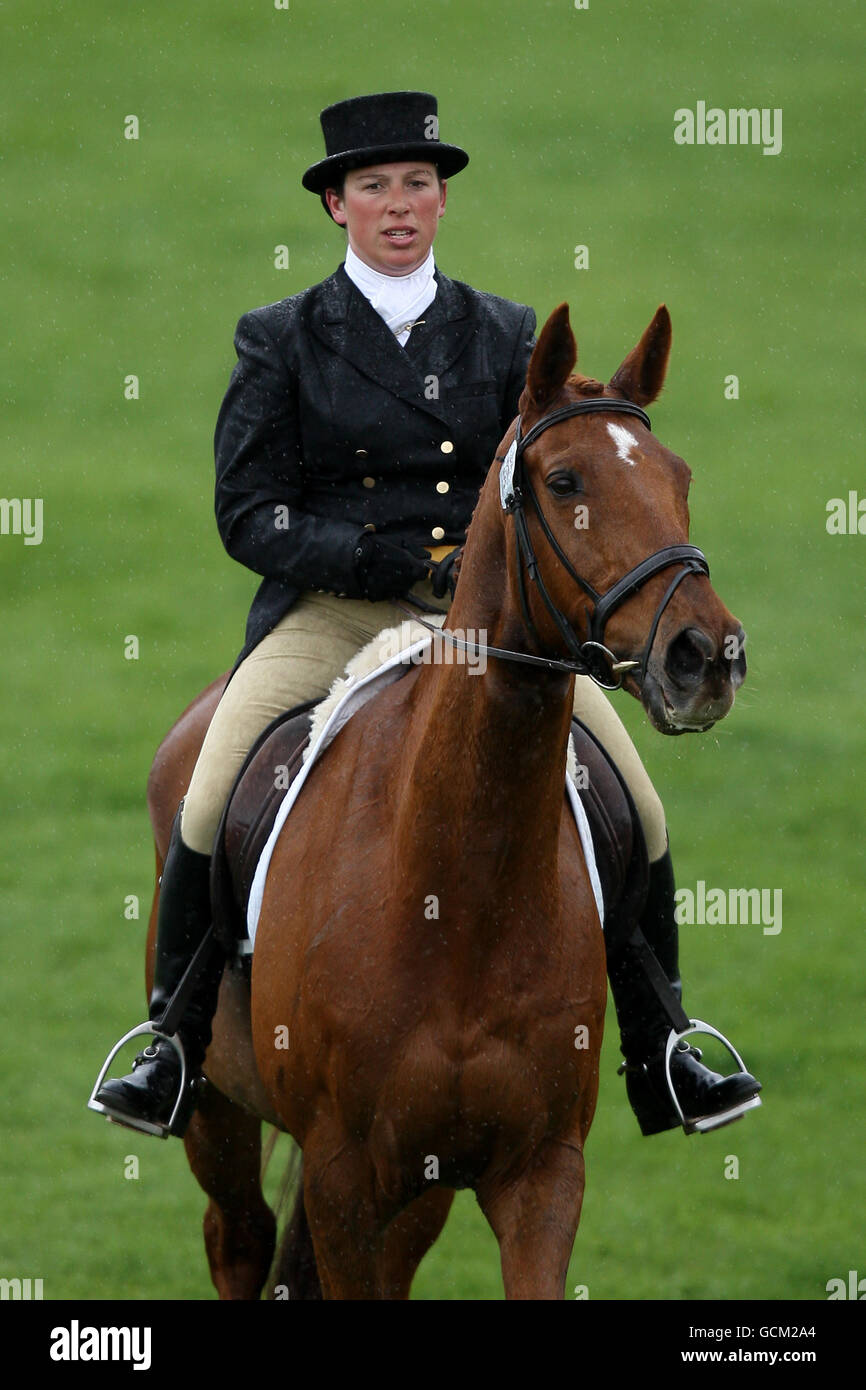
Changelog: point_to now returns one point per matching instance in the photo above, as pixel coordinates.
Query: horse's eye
(564, 484)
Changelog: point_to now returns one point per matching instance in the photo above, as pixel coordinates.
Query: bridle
(592, 656)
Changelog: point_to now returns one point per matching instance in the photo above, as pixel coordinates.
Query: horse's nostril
(689, 654)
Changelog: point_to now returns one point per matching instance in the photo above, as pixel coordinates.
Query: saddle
(276, 758)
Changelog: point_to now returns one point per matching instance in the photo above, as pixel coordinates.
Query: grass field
(137, 257)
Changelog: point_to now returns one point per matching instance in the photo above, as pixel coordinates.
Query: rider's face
(391, 213)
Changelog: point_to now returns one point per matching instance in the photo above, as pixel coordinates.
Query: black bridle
(592, 657)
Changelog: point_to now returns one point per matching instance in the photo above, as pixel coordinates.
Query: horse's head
(601, 506)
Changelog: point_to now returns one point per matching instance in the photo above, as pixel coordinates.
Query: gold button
(360, 453)
(438, 533)
(369, 482)
(446, 446)
(443, 487)
(369, 526)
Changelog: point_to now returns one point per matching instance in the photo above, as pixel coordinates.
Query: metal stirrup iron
(711, 1121)
(164, 1030)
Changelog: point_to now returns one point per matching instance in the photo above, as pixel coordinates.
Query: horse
(428, 940)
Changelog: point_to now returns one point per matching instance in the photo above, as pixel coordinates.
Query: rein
(590, 658)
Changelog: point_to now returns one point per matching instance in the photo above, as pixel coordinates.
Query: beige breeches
(299, 660)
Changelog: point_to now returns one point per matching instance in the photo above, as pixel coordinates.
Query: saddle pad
(354, 699)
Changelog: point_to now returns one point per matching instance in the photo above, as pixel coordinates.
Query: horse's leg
(409, 1237)
(223, 1146)
(534, 1217)
(345, 1223)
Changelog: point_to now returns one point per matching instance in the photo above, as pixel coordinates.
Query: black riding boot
(151, 1090)
(646, 990)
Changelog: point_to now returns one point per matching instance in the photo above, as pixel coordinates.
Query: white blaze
(624, 441)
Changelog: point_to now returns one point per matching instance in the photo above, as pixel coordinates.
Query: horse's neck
(487, 750)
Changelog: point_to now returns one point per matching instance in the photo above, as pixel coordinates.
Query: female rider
(355, 434)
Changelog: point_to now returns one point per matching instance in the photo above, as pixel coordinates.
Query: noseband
(590, 658)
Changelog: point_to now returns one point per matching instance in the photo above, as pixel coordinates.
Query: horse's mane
(586, 385)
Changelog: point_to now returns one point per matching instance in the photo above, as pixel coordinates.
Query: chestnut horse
(428, 940)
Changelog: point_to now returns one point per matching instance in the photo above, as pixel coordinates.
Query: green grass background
(138, 257)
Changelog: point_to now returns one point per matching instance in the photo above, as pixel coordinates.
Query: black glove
(387, 569)
(445, 576)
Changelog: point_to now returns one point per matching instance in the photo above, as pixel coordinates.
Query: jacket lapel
(445, 331)
(347, 324)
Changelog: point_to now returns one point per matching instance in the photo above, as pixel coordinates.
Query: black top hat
(387, 126)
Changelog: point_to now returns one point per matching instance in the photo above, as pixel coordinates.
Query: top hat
(388, 126)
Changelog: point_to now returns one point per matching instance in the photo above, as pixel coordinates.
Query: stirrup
(162, 1131)
(712, 1121)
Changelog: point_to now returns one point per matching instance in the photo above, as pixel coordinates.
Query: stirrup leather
(712, 1121)
(162, 1131)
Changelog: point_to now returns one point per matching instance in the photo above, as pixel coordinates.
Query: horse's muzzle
(692, 685)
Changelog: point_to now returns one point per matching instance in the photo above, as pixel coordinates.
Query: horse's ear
(642, 374)
(553, 360)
